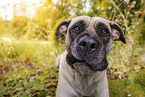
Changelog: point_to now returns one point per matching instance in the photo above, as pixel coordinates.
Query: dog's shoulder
(60, 57)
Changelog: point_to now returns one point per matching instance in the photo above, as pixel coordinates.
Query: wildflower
(116, 20)
(6, 59)
(52, 41)
(126, 1)
(15, 5)
(136, 13)
(137, 67)
(3, 67)
(104, 12)
(34, 87)
(120, 51)
(109, 7)
(116, 41)
(20, 81)
(129, 95)
(139, 11)
(49, 20)
(25, 27)
(41, 32)
(49, 6)
(11, 48)
(139, 95)
(128, 5)
(9, 59)
(9, 52)
(128, 12)
(54, 7)
(132, 5)
(98, 8)
(130, 46)
(134, 2)
(44, 8)
(131, 15)
(33, 94)
(45, 72)
(102, 8)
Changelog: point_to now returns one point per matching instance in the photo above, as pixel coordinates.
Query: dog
(82, 66)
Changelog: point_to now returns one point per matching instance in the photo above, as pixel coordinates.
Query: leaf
(25, 95)
(131, 76)
(2, 91)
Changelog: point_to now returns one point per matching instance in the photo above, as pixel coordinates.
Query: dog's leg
(102, 87)
(65, 90)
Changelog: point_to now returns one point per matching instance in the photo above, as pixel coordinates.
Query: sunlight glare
(6, 7)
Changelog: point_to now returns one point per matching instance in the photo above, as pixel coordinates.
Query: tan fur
(73, 84)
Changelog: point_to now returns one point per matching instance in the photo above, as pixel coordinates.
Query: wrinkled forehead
(91, 21)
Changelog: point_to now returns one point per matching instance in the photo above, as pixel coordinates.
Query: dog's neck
(82, 83)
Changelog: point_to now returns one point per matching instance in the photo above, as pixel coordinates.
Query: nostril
(82, 43)
(93, 46)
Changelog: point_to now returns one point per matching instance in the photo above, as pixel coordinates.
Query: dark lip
(83, 63)
(83, 67)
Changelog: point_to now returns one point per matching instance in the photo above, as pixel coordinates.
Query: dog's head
(88, 42)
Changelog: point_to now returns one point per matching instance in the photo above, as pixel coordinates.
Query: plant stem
(133, 50)
(125, 20)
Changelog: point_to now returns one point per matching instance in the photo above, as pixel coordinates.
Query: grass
(27, 68)
(135, 89)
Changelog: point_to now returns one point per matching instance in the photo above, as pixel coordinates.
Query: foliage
(140, 79)
(28, 69)
(135, 89)
(142, 39)
(119, 66)
(18, 26)
(24, 81)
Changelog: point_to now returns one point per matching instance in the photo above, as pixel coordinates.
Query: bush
(18, 26)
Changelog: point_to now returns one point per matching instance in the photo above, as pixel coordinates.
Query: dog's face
(88, 42)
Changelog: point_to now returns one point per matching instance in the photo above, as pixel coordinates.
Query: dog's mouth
(84, 67)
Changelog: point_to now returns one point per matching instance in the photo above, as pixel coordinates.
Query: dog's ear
(117, 32)
(61, 30)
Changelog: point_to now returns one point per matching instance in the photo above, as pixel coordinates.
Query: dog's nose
(87, 44)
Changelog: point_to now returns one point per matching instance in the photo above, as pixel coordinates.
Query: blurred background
(29, 47)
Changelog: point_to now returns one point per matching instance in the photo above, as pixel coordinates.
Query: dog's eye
(104, 31)
(76, 28)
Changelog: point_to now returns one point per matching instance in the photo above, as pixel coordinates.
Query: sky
(7, 14)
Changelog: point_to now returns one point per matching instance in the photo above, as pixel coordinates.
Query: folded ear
(61, 30)
(117, 32)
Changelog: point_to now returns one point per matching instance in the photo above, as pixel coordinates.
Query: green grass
(28, 68)
(135, 89)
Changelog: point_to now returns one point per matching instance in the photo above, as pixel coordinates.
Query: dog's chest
(84, 84)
